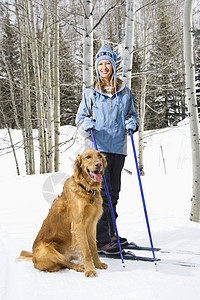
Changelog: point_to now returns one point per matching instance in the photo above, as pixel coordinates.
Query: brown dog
(69, 231)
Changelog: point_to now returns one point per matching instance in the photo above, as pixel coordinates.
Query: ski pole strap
(142, 195)
(110, 203)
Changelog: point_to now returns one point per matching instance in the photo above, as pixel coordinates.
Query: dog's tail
(26, 255)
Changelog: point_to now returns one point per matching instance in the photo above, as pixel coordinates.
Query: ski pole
(110, 203)
(143, 200)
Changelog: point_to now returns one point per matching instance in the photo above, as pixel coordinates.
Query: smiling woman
(107, 108)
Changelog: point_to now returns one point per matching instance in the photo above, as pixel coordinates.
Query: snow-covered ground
(167, 189)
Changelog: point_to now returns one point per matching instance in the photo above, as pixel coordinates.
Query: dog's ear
(77, 166)
(104, 161)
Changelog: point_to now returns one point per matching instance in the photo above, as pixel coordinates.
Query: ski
(133, 246)
(128, 255)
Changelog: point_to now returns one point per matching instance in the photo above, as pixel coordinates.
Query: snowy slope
(23, 206)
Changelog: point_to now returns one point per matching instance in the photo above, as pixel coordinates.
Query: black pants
(105, 226)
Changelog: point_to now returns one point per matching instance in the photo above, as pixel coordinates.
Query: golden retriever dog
(69, 231)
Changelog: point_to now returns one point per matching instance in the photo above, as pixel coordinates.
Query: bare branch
(105, 14)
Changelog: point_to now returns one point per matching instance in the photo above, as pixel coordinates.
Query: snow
(167, 189)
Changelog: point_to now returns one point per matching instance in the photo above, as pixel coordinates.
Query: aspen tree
(38, 88)
(192, 108)
(142, 99)
(27, 131)
(56, 88)
(48, 89)
(129, 38)
(87, 44)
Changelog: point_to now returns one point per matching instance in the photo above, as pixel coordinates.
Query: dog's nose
(98, 164)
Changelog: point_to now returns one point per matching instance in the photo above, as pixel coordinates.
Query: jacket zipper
(110, 125)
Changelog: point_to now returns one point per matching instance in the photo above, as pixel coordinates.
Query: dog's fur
(69, 231)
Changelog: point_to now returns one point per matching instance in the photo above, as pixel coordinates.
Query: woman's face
(105, 68)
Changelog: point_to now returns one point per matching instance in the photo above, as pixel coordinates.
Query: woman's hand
(88, 123)
(131, 125)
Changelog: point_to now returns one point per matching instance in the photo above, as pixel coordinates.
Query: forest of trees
(46, 59)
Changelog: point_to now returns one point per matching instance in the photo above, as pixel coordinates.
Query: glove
(130, 124)
(88, 123)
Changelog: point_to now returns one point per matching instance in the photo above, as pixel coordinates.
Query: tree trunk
(129, 38)
(25, 90)
(87, 44)
(12, 95)
(47, 88)
(27, 104)
(38, 89)
(142, 100)
(56, 89)
(11, 141)
(141, 128)
(192, 107)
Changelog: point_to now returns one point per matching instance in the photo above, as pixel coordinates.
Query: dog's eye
(100, 156)
(88, 156)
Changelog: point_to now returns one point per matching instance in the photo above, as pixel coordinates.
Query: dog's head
(90, 166)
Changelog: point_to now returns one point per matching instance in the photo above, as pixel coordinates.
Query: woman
(107, 108)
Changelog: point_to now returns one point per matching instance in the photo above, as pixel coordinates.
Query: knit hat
(105, 53)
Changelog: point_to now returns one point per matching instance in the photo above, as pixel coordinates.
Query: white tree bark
(129, 39)
(39, 96)
(141, 128)
(142, 100)
(27, 104)
(192, 107)
(56, 89)
(48, 88)
(87, 44)
(25, 91)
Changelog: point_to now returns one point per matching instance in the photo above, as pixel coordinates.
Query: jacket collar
(121, 87)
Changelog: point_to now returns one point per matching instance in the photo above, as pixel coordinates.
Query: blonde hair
(104, 84)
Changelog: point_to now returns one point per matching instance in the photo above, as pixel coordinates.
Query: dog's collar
(93, 192)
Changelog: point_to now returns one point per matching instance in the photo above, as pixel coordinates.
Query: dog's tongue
(96, 176)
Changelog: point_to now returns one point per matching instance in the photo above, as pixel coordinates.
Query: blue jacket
(110, 114)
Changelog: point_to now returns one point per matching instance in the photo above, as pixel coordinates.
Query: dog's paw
(101, 266)
(90, 273)
(80, 268)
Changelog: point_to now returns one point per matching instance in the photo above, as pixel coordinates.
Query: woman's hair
(103, 83)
